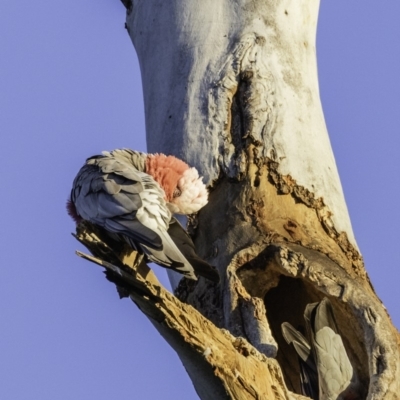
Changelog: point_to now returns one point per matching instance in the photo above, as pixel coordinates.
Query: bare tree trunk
(231, 87)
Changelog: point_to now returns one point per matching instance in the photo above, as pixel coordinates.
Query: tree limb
(221, 365)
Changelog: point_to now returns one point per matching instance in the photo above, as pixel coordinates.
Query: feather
(308, 369)
(71, 210)
(193, 193)
(186, 246)
(333, 364)
(166, 170)
(171, 257)
(126, 193)
(326, 357)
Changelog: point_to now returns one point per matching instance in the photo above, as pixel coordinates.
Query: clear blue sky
(69, 88)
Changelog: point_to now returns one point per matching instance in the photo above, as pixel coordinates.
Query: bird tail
(170, 256)
(186, 246)
(308, 369)
(300, 343)
(203, 268)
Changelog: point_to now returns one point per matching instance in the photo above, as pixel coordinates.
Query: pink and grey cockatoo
(134, 195)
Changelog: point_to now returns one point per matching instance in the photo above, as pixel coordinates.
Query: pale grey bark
(193, 54)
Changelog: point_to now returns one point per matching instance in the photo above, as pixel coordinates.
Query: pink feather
(71, 210)
(166, 170)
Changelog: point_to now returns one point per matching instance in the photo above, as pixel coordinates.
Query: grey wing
(170, 257)
(109, 193)
(186, 246)
(293, 336)
(112, 193)
(334, 368)
(308, 370)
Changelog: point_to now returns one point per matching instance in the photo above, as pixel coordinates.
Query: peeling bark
(231, 87)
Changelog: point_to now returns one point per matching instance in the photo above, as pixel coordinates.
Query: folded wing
(112, 193)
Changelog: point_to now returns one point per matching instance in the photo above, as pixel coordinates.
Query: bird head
(184, 190)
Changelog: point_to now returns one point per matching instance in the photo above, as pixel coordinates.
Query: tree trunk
(231, 87)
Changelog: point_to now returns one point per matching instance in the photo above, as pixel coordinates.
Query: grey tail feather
(186, 246)
(291, 335)
(308, 368)
(203, 268)
(170, 257)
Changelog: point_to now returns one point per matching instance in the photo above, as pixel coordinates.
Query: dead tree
(231, 87)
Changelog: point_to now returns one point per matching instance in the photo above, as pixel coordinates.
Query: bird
(325, 369)
(133, 196)
(308, 369)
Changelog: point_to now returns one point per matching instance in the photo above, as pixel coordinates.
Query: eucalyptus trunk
(231, 87)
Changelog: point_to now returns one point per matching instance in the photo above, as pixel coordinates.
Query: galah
(134, 195)
(325, 369)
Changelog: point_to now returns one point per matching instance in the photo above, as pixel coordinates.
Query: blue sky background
(69, 88)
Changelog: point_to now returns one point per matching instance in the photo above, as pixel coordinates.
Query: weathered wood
(225, 366)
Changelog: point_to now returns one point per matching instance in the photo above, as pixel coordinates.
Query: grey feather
(113, 191)
(327, 354)
(186, 246)
(333, 364)
(170, 257)
(293, 336)
(308, 368)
